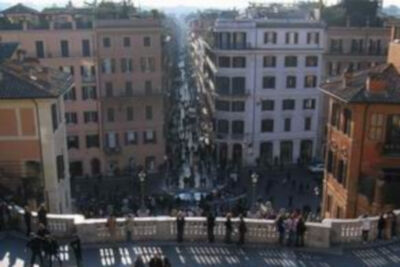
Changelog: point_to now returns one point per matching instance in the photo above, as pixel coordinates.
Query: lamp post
(254, 181)
(142, 179)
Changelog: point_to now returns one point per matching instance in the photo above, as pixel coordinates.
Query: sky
(166, 3)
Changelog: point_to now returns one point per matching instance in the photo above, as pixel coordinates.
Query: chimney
(375, 84)
(347, 75)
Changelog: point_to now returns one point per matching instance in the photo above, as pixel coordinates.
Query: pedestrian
(139, 262)
(156, 261)
(42, 215)
(129, 224)
(180, 226)
(388, 226)
(242, 230)
(27, 219)
(111, 225)
(166, 262)
(280, 226)
(291, 226)
(35, 245)
(394, 224)
(42, 231)
(365, 227)
(301, 230)
(2, 216)
(76, 248)
(228, 229)
(381, 226)
(53, 249)
(210, 227)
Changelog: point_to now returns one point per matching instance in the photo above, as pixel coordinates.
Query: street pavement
(192, 254)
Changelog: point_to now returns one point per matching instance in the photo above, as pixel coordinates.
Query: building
(362, 163)
(115, 112)
(33, 148)
(267, 101)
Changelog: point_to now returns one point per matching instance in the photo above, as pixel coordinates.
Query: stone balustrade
(327, 233)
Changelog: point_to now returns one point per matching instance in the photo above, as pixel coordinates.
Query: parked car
(317, 168)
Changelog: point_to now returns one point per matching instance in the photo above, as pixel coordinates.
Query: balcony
(391, 150)
(112, 150)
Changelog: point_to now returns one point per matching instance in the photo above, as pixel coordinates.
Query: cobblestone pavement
(385, 254)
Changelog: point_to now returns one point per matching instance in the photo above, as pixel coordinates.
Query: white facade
(254, 49)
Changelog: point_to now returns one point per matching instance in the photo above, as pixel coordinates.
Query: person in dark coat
(52, 250)
(42, 231)
(280, 227)
(210, 227)
(228, 229)
(156, 261)
(300, 231)
(139, 262)
(394, 224)
(42, 215)
(35, 245)
(166, 263)
(76, 248)
(27, 219)
(381, 226)
(180, 226)
(242, 230)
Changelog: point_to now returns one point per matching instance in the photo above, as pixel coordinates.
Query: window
(146, 41)
(286, 153)
(89, 92)
(106, 42)
(85, 48)
(127, 41)
(90, 116)
(109, 89)
(73, 141)
(64, 48)
(329, 166)
(237, 127)
(70, 95)
(131, 138)
(309, 103)
(148, 87)
(307, 123)
(111, 140)
(335, 115)
(269, 61)
(290, 61)
(287, 125)
(238, 85)
(267, 105)
(129, 113)
(60, 167)
(223, 127)
(341, 171)
(313, 38)
(71, 118)
(267, 125)
(239, 62)
(110, 115)
(288, 104)
(270, 37)
(239, 40)
(311, 61)
(292, 38)
(238, 106)
(310, 81)
(149, 136)
(269, 82)
(39, 49)
(128, 88)
(357, 45)
(150, 163)
(376, 126)
(222, 105)
(92, 140)
(147, 64)
(336, 46)
(108, 65)
(393, 132)
(224, 62)
(347, 122)
(126, 65)
(222, 84)
(291, 82)
(67, 69)
(149, 113)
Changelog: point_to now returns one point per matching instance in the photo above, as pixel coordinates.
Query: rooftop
(20, 80)
(355, 89)
(19, 9)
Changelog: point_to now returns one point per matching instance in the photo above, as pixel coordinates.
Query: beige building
(33, 149)
(114, 113)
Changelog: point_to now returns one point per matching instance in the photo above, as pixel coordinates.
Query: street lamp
(254, 180)
(142, 179)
